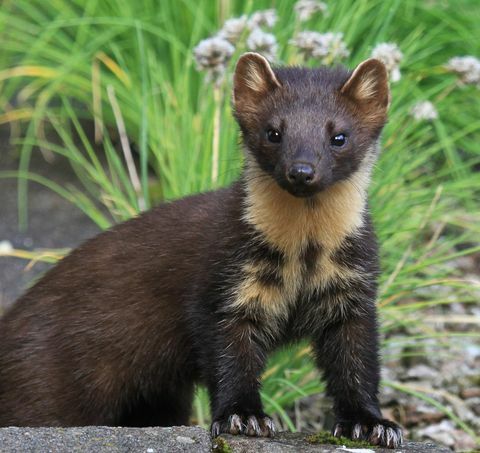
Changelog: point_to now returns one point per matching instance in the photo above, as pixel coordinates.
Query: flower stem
(217, 97)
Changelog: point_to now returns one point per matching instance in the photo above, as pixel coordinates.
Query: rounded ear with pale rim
(252, 80)
(368, 84)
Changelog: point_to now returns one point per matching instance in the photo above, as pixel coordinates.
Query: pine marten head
(309, 128)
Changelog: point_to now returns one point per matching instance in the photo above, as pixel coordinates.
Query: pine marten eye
(338, 140)
(274, 136)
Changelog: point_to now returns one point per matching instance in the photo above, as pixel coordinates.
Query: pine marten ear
(253, 79)
(368, 85)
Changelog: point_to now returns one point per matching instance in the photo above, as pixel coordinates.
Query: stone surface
(95, 439)
(296, 443)
(178, 439)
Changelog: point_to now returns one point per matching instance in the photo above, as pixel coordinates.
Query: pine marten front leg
(234, 380)
(347, 351)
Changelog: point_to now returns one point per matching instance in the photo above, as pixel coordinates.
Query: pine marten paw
(381, 432)
(251, 425)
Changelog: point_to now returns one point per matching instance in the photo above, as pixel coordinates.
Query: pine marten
(202, 289)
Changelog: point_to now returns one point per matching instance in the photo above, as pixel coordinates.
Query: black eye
(274, 136)
(339, 140)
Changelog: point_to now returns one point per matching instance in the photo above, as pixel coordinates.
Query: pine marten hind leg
(169, 408)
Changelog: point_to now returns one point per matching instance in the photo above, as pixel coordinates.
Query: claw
(235, 424)
(357, 432)
(337, 432)
(253, 427)
(389, 436)
(400, 437)
(215, 429)
(268, 429)
(382, 433)
(394, 438)
(377, 435)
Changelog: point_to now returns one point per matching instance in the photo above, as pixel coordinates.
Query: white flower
(390, 55)
(263, 43)
(305, 9)
(307, 42)
(328, 47)
(233, 28)
(467, 67)
(424, 110)
(212, 56)
(266, 18)
(6, 248)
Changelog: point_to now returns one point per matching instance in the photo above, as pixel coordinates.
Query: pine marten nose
(301, 174)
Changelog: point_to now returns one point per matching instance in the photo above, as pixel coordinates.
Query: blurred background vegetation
(112, 86)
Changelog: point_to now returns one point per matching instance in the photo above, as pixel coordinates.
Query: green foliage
(66, 63)
(220, 445)
(324, 437)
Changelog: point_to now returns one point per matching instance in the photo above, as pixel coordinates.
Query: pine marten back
(202, 289)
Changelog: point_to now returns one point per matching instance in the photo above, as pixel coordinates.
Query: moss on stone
(325, 437)
(220, 445)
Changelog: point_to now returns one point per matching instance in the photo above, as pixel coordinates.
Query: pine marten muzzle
(202, 289)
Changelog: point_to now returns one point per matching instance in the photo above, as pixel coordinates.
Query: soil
(53, 222)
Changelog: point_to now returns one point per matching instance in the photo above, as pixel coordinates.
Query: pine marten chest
(297, 251)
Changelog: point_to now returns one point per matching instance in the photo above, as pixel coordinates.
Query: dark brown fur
(204, 288)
